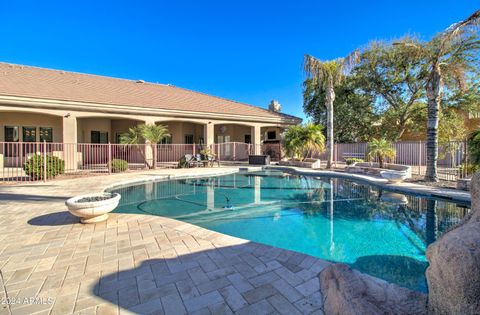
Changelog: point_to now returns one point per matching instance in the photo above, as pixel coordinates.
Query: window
(188, 139)
(11, 134)
(98, 137)
(46, 134)
(248, 139)
(271, 135)
(29, 134)
(166, 140)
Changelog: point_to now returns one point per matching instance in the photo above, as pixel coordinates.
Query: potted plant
(93, 208)
(207, 154)
(380, 149)
(383, 150)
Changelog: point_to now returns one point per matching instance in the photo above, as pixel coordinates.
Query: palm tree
(301, 141)
(380, 149)
(314, 140)
(292, 141)
(152, 134)
(329, 74)
(448, 58)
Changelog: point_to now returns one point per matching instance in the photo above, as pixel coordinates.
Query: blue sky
(249, 51)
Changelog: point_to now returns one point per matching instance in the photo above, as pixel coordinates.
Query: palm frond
(133, 136)
(154, 133)
(380, 149)
(330, 72)
(151, 133)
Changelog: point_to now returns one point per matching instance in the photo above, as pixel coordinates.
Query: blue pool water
(378, 232)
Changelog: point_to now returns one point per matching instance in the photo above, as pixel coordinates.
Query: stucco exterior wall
(119, 126)
(31, 120)
(87, 125)
(76, 125)
(179, 129)
(235, 132)
(277, 130)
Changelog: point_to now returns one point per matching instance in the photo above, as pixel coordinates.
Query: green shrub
(34, 166)
(119, 166)
(350, 161)
(468, 169)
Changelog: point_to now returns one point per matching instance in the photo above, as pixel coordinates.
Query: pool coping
(447, 194)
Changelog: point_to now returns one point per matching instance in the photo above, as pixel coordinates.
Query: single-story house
(38, 104)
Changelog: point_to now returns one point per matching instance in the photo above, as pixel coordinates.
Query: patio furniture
(192, 160)
(212, 160)
(259, 159)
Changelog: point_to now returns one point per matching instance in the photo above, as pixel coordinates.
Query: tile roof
(27, 81)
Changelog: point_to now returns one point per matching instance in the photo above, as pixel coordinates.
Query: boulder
(453, 275)
(348, 291)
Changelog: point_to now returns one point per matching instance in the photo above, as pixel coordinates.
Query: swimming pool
(376, 231)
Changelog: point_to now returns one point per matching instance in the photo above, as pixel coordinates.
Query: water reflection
(402, 270)
(377, 231)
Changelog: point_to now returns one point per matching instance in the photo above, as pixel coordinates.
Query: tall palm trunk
(434, 93)
(330, 98)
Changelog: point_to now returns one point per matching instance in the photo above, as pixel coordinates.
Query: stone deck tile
(140, 264)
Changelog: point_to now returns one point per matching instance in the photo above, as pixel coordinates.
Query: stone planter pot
(394, 176)
(92, 211)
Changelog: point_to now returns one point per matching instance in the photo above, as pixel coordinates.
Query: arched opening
(233, 142)
(186, 138)
(184, 132)
(22, 134)
(98, 141)
(103, 130)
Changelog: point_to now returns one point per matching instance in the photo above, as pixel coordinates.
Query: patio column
(209, 133)
(257, 147)
(69, 139)
(148, 148)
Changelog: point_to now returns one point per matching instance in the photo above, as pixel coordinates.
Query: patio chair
(197, 160)
(212, 160)
(191, 160)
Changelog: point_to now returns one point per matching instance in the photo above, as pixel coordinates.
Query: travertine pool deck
(138, 264)
(141, 264)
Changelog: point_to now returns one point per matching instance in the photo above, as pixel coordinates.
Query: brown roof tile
(27, 81)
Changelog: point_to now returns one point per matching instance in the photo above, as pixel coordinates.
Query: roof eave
(138, 110)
